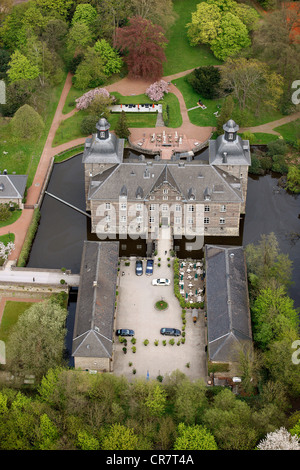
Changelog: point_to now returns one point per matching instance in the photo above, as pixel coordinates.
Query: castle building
(191, 197)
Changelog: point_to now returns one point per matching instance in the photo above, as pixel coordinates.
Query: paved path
(28, 276)
(270, 126)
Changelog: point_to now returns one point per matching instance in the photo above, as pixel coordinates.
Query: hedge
(29, 238)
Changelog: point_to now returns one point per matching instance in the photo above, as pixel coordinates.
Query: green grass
(12, 311)
(9, 237)
(175, 119)
(198, 116)
(61, 157)
(180, 54)
(70, 128)
(13, 218)
(23, 155)
(261, 138)
(290, 131)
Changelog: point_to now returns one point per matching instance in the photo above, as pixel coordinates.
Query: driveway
(136, 311)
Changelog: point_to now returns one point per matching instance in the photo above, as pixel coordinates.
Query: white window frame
(206, 220)
(222, 221)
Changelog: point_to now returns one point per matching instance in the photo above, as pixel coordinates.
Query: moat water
(62, 230)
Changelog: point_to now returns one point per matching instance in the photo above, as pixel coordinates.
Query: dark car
(124, 332)
(149, 267)
(170, 332)
(138, 267)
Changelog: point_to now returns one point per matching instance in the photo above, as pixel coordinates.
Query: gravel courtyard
(136, 310)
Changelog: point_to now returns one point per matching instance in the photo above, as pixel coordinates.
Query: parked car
(138, 267)
(149, 267)
(124, 332)
(161, 282)
(170, 332)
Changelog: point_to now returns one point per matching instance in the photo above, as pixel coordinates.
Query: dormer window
(230, 136)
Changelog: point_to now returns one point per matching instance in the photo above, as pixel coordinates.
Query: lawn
(70, 128)
(13, 218)
(290, 131)
(199, 117)
(11, 313)
(23, 155)
(180, 54)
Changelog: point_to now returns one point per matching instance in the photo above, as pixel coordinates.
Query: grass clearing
(180, 54)
(13, 218)
(290, 131)
(12, 311)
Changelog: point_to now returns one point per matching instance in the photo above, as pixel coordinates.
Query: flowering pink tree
(156, 91)
(85, 100)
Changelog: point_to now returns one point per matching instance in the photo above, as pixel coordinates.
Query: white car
(161, 282)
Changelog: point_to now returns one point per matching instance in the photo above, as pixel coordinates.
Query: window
(206, 209)
(107, 206)
(107, 218)
(206, 220)
(123, 206)
(139, 207)
(165, 207)
(123, 218)
(177, 208)
(191, 208)
(152, 198)
(178, 198)
(139, 219)
(152, 207)
(165, 198)
(223, 209)
(230, 136)
(177, 220)
(165, 191)
(222, 221)
(151, 219)
(190, 220)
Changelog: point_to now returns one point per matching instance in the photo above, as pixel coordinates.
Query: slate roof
(237, 151)
(188, 179)
(12, 186)
(228, 314)
(94, 318)
(108, 150)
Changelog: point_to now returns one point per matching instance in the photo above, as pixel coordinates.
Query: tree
(144, 44)
(232, 37)
(190, 401)
(279, 440)
(112, 62)
(36, 342)
(157, 90)
(205, 24)
(84, 13)
(206, 81)
(293, 179)
(84, 101)
(266, 265)
(27, 123)
(89, 72)
(20, 68)
(79, 38)
(121, 128)
(58, 8)
(194, 438)
(230, 421)
(223, 25)
(120, 437)
(225, 114)
(273, 316)
(158, 11)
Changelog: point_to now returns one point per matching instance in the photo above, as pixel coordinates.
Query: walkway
(37, 276)
(270, 126)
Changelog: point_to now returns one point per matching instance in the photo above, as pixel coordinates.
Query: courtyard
(136, 310)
